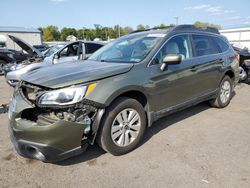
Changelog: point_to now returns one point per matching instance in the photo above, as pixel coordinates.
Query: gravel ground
(198, 147)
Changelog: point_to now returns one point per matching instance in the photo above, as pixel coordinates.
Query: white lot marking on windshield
(156, 35)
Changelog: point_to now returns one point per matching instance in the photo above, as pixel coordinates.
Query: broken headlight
(64, 96)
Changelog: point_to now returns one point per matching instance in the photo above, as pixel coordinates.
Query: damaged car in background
(244, 60)
(60, 53)
(119, 91)
(9, 57)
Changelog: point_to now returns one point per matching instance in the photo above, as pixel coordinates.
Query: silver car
(67, 52)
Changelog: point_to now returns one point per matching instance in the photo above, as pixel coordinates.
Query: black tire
(2, 63)
(219, 102)
(104, 138)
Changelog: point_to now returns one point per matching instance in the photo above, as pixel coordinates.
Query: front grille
(38, 116)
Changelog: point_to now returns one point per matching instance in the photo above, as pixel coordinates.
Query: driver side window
(177, 45)
(70, 50)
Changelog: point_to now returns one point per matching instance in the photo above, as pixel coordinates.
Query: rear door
(91, 48)
(209, 62)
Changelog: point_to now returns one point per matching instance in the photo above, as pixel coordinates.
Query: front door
(70, 53)
(178, 83)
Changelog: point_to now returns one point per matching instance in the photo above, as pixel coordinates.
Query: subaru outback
(111, 98)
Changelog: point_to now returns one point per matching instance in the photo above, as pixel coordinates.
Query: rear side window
(221, 43)
(91, 48)
(204, 45)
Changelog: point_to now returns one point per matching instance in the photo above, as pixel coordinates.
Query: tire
(2, 63)
(131, 131)
(225, 93)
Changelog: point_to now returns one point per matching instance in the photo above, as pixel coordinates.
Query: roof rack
(138, 31)
(193, 27)
(151, 29)
(182, 27)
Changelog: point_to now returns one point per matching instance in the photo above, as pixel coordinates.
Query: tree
(142, 27)
(126, 30)
(50, 33)
(66, 32)
(162, 26)
(206, 24)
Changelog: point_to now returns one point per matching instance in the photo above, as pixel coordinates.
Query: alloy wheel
(125, 127)
(225, 91)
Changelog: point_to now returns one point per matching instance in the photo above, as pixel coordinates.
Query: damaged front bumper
(41, 137)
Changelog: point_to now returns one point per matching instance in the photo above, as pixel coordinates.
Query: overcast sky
(86, 13)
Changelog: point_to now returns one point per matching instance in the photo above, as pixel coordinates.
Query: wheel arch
(137, 94)
(134, 93)
(230, 73)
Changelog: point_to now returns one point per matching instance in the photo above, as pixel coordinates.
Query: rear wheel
(225, 93)
(2, 63)
(122, 127)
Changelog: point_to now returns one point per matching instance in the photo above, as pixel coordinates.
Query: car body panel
(60, 136)
(65, 74)
(25, 46)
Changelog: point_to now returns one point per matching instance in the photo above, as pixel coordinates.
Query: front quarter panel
(110, 88)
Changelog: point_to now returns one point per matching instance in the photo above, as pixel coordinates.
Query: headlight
(19, 66)
(13, 67)
(66, 96)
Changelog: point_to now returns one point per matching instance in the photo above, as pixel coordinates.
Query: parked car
(41, 47)
(244, 59)
(67, 52)
(57, 111)
(13, 56)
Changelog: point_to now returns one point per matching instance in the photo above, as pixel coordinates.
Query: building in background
(238, 36)
(29, 35)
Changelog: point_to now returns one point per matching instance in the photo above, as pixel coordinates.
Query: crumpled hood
(70, 73)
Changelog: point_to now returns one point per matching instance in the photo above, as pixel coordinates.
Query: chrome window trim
(189, 33)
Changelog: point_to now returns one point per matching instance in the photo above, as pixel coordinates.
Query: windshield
(133, 48)
(52, 50)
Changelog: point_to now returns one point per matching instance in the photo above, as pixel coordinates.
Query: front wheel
(225, 93)
(122, 127)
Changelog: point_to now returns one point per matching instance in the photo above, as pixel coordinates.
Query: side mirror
(55, 59)
(171, 59)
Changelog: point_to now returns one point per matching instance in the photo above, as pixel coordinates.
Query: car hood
(66, 74)
(25, 46)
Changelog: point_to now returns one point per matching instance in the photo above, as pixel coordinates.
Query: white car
(67, 52)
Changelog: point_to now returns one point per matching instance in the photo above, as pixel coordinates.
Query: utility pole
(83, 32)
(119, 31)
(176, 20)
(106, 33)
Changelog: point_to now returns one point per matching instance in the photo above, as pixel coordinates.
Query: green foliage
(66, 32)
(162, 26)
(206, 24)
(142, 27)
(51, 33)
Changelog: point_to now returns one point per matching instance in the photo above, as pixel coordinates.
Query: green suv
(111, 98)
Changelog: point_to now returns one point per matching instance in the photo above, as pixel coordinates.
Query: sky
(85, 13)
